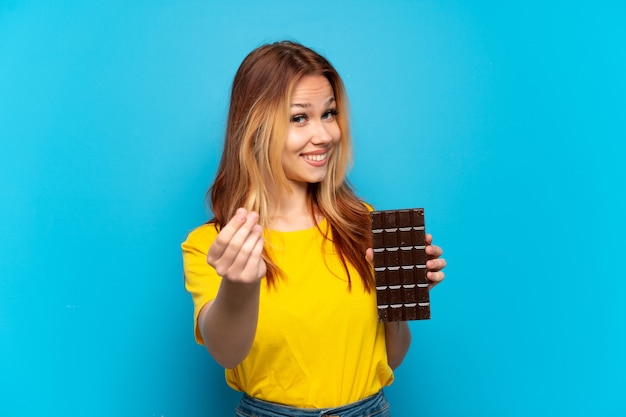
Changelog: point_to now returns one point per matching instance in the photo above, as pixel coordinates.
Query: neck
(293, 211)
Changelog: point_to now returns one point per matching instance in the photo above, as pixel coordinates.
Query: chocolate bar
(399, 243)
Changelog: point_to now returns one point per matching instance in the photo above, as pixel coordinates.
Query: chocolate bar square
(399, 243)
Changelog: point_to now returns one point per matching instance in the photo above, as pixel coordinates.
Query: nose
(321, 134)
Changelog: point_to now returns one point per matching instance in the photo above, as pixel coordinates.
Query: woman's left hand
(435, 263)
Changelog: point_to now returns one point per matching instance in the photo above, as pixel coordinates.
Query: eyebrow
(305, 105)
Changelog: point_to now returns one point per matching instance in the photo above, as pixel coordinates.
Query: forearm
(397, 340)
(228, 324)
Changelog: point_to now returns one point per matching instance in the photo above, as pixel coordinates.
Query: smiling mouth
(316, 158)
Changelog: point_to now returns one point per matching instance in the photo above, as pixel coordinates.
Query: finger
(231, 248)
(255, 268)
(245, 264)
(436, 264)
(226, 234)
(242, 234)
(429, 239)
(434, 278)
(433, 251)
(369, 256)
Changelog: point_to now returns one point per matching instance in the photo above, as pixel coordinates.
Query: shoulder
(201, 237)
(368, 206)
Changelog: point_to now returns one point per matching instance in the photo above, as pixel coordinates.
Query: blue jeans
(373, 406)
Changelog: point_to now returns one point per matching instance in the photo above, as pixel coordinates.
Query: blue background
(505, 121)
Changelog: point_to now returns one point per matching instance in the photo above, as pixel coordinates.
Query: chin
(317, 180)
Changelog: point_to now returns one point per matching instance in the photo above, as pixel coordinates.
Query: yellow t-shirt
(318, 344)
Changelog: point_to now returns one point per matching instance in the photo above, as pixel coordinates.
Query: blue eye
(298, 118)
(330, 114)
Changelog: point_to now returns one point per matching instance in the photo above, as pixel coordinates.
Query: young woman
(281, 277)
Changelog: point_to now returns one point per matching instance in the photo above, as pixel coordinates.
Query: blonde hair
(256, 131)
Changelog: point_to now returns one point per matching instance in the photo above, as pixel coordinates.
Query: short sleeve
(201, 280)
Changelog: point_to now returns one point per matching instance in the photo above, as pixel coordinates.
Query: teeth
(316, 158)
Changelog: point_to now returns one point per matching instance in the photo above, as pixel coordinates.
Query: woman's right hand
(236, 252)
(228, 322)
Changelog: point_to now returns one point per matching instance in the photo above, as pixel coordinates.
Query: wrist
(237, 293)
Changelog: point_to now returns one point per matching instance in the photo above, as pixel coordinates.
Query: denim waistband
(372, 406)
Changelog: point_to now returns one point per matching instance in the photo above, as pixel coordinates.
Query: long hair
(256, 132)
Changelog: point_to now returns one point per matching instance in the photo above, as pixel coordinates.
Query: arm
(228, 323)
(397, 341)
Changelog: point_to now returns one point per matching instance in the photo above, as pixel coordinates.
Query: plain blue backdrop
(505, 120)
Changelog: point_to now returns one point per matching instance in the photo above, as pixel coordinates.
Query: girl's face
(313, 131)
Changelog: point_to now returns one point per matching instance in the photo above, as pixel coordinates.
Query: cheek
(295, 141)
(335, 133)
